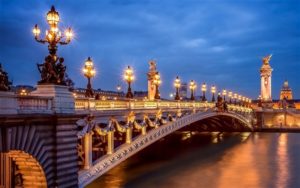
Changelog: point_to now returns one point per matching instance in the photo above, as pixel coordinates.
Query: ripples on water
(189, 160)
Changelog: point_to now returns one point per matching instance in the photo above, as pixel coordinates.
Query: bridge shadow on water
(162, 160)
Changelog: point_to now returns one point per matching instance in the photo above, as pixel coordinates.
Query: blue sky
(219, 42)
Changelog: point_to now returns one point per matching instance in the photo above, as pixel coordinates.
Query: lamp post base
(63, 100)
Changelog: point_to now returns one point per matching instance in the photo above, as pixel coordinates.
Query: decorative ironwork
(177, 84)
(129, 78)
(124, 151)
(52, 70)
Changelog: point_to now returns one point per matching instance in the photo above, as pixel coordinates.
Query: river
(195, 160)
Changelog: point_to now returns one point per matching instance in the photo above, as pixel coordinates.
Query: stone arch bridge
(42, 148)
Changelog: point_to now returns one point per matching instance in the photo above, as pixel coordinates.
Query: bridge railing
(11, 103)
(16, 104)
(33, 104)
(92, 104)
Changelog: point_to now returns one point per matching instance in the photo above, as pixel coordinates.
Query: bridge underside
(218, 124)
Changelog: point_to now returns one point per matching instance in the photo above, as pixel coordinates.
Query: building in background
(140, 94)
(286, 92)
(183, 90)
(100, 94)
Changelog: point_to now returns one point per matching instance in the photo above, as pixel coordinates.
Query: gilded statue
(152, 65)
(267, 59)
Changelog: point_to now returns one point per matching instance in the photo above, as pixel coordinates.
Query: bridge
(41, 147)
(51, 138)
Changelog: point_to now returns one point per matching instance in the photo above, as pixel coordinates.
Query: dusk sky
(219, 42)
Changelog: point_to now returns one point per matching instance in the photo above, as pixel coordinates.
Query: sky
(220, 42)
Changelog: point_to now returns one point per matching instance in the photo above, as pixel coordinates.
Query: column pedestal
(63, 100)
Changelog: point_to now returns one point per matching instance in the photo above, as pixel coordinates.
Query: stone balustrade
(83, 104)
(11, 103)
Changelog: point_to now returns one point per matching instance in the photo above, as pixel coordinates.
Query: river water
(195, 160)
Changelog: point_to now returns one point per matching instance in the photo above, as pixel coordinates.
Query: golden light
(23, 92)
(235, 96)
(69, 33)
(193, 85)
(239, 97)
(50, 36)
(74, 95)
(213, 89)
(36, 30)
(177, 82)
(88, 69)
(157, 80)
(230, 94)
(203, 88)
(53, 34)
(53, 17)
(224, 93)
(243, 98)
(128, 75)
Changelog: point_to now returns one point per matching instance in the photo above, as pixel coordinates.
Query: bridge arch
(27, 171)
(50, 140)
(105, 163)
(25, 148)
(220, 121)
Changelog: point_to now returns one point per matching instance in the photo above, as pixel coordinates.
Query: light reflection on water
(192, 160)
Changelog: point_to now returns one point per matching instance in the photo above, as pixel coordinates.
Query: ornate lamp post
(129, 78)
(235, 96)
(177, 85)
(246, 102)
(51, 71)
(157, 83)
(193, 86)
(89, 72)
(230, 96)
(213, 91)
(250, 101)
(224, 93)
(243, 101)
(240, 99)
(203, 89)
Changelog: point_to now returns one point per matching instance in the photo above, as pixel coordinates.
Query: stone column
(110, 142)
(144, 130)
(128, 135)
(88, 146)
(150, 75)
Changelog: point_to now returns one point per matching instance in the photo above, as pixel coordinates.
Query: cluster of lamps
(54, 36)
(233, 98)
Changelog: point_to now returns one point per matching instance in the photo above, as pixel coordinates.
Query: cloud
(215, 42)
(194, 43)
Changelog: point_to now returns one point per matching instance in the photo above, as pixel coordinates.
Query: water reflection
(209, 160)
(282, 162)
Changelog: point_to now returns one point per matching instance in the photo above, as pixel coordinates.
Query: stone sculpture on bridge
(267, 59)
(51, 71)
(151, 76)
(4, 82)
